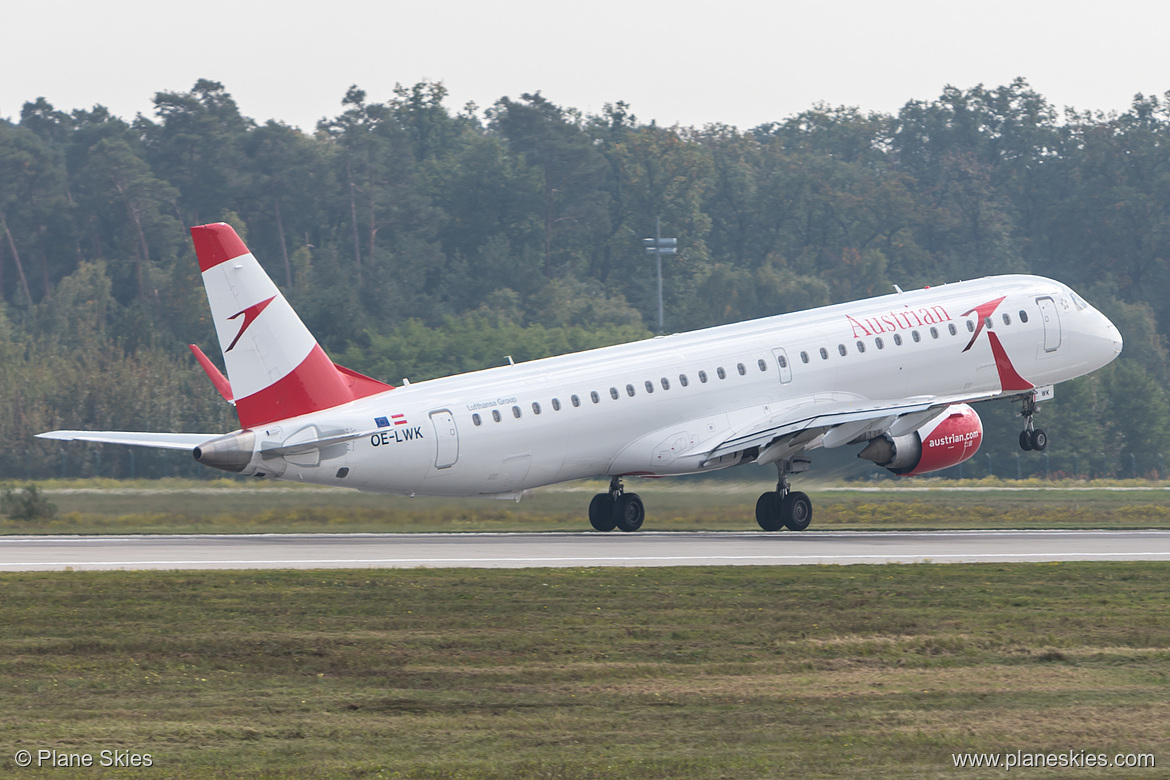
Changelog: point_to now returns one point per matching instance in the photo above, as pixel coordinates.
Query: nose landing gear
(1031, 438)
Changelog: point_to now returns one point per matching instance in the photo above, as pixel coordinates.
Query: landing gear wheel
(796, 509)
(768, 512)
(601, 514)
(1031, 438)
(628, 512)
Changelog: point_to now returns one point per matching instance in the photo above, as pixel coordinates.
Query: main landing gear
(1031, 438)
(785, 508)
(616, 509)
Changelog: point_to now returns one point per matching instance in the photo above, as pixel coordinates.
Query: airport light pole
(659, 246)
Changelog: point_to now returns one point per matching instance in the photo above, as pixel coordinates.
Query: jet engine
(947, 440)
(232, 452)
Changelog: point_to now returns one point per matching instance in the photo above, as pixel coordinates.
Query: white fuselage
(664, 405)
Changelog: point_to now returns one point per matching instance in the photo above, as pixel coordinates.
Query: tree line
(416, 240)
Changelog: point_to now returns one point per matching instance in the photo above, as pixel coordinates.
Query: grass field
(820, 672)
(228, 507)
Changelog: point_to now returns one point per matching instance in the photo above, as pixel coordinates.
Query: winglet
(214, 374)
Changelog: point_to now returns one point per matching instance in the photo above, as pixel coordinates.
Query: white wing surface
(161, 441)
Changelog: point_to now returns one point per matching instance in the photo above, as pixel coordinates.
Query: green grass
(230, 507)
(859, 671)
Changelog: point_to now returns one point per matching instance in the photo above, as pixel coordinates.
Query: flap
(821, 416)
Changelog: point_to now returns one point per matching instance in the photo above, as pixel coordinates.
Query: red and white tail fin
(276, 369)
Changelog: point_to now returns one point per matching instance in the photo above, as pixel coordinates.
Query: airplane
(894, 374)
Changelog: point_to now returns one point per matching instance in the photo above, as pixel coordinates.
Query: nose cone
(1107, 341)
(1107, 336)
(1115, 336)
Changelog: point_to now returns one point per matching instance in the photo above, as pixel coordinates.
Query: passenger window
(933, 332)
(952, 329)
(879, 343)
(914, 335)
(630, 390)
(613, 393)
(475, 418)
(1007, 318)
(860, 346)
(649, 386)
(824, 354)
(556, 404)
(764, 366)
(574, 400)
(783, 361)
(703, 377)
(897, 339)
(987, 321)
(803, 357)
(682, 380)
(594, 397)
(741, 369)
(496, 415)
(842, 350)
(516, 412)
(970, 326)
(535, 408)
(719, 372)
(1023, 316)
(665, 383)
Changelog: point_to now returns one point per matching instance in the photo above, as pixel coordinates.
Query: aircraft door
(1051, 319)
(446, 439)
(785, 365)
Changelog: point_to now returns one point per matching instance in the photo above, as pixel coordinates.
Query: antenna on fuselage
(897, 288)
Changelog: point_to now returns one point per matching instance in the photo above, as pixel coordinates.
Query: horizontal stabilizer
(361, 385)
(162, 441)
(214, 374)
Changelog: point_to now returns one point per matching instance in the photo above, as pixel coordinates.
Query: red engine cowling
(945, 441)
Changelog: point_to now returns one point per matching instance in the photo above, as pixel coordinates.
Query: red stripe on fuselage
(215, 244)
(1009, 378)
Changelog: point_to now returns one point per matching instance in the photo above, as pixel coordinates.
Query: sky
(734, 62)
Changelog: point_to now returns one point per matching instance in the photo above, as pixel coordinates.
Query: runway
(545, 550)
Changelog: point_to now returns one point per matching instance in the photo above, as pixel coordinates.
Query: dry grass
(227, 507)
(860, 671)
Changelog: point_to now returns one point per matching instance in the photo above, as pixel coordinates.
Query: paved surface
(518, 550)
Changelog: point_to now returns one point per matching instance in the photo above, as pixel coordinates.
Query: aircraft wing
(296, 446)
(162, 441)
(837, 421)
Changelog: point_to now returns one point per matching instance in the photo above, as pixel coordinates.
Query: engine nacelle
(947, 440)
(232, 452)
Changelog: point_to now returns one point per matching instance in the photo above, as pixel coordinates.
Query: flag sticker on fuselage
(384, 422)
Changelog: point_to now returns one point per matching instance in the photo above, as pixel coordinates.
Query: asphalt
(544, 550)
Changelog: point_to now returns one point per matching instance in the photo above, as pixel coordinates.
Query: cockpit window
(1081, 305)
